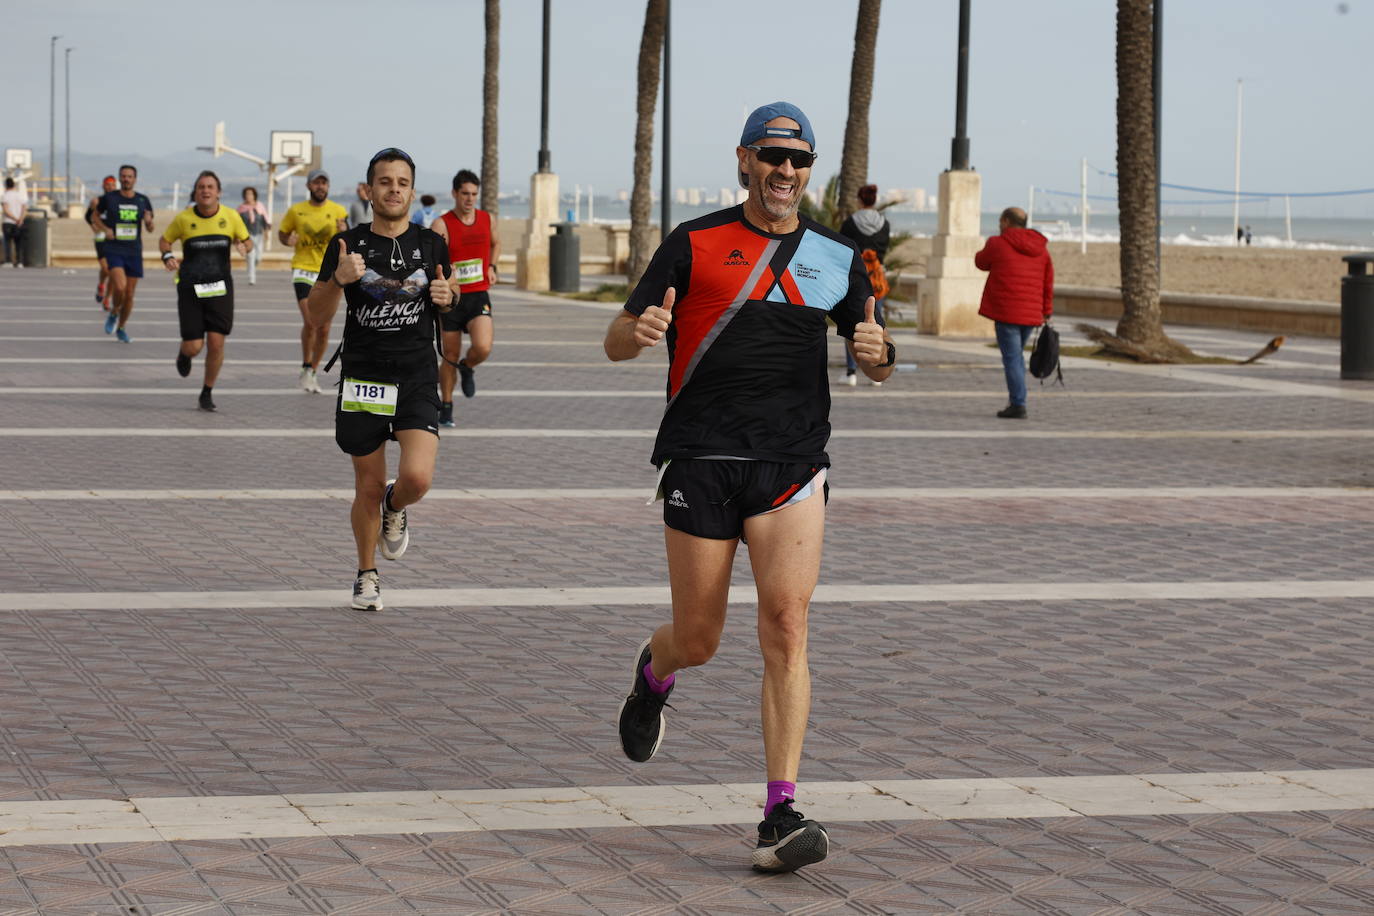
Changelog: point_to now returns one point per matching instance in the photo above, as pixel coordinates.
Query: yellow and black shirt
(205, 242)
(314, 227)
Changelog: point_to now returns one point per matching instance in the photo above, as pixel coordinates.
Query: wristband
(167, 256)
(891, 357)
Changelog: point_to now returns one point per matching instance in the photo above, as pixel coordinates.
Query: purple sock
(654, 683)
(778, 789)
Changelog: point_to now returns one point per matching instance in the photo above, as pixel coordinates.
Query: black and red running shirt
(747, 371)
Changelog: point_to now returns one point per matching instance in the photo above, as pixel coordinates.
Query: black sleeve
(849, 230)
(330, 262)
(850, 310)
(880, 240)
(671, 266)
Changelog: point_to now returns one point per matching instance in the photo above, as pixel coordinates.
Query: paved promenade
(1115, 659)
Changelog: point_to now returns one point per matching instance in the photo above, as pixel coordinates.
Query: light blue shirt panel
(820, 268)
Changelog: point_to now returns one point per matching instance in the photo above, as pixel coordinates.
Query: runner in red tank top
(473, 248)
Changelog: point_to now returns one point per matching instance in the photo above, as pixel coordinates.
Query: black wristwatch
(891, 357)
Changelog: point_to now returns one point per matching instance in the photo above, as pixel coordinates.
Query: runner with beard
(124, 215)
(390, 272)
(307, 227)
(102, 294)
(742, 298)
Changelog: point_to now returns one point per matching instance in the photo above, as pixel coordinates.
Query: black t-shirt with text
(389, 326)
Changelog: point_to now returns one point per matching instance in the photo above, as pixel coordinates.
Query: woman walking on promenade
(255, 219)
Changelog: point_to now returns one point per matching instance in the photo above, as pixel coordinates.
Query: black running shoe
(183, 365)
(446, 414)
(787, 841)
(641, 715)
(206, 402)
(465, 380)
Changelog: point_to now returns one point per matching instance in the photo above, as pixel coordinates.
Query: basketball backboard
(291, 146)
(21, 159)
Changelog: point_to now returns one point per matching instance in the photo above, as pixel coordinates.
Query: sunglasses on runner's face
(392, 152)
(776, 155)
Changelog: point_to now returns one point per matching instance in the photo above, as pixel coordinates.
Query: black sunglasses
(392, 153)
(777, 155)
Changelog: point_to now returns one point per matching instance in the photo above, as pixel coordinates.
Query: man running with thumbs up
(390, 272)
(741, 297)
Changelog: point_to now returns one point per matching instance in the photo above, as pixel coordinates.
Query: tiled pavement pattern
(100, 704)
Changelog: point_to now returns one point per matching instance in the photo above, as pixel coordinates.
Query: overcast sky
(152, 77)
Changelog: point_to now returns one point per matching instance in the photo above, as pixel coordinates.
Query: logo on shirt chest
(805, 271)
(736, 258)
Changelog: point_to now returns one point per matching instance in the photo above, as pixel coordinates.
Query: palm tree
(1141, 323)
(641, 198)
(854, 161)
(491, 86)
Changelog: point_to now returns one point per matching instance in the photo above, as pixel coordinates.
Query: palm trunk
(491, 86)
(854, 161)
(1137, 179)
(641, 198)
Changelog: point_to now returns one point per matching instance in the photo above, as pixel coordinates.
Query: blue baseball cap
(754, 129)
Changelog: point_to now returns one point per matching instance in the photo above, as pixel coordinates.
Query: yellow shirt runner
(314, 227)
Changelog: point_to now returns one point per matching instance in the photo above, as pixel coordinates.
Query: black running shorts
(198, 315)
(302, 290)
(359, 433)
(711, 497)
(470, 306)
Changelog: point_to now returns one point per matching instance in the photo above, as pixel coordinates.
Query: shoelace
(394, 522)
(369, 582)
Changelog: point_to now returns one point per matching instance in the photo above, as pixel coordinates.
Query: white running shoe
(395, 531)
(849, 379)
(304, 381)
(367, 591)
(875, 384)
(314, 383)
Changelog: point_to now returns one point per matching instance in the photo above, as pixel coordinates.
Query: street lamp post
(52, 119)
(67, 85)
(545, 158)
(959, 150)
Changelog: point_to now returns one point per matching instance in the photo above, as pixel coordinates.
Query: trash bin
(565, 259)
(34, 249)
(1357, 317)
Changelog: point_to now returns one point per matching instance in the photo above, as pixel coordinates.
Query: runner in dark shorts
(393, 275)
(102, 292)
(741, 447)
(124, 215)
(473, 249)
(205, 287)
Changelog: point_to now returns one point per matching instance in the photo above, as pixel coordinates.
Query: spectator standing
(360, 211)
(427, 212)
(254, 216)
(1018, 297)
(869, 229)
(16, 208)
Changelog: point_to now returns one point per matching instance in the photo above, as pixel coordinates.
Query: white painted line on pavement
(840, 396)
(658, 365)
(1227, 376)
(854, 593)
(114, 432)
(99, 338)
(639, 494)
(273, 392)
(174, 819)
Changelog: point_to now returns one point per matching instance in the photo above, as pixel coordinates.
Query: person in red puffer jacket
(1018, 297)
